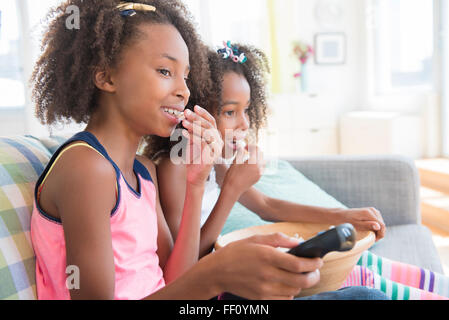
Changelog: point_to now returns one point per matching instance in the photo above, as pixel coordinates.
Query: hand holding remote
(340, 238)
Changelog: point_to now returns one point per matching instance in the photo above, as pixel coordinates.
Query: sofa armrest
(388, 183)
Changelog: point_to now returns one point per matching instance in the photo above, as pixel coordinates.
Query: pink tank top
(133, 233)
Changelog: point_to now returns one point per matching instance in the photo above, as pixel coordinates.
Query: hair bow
(233, 53)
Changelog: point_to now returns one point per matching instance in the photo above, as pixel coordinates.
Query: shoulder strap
(77, 144)
(62, 152)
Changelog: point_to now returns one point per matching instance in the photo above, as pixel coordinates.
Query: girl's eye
(164, 72)
(229, 113)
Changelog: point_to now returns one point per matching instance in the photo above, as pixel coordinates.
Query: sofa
(388, 183)
(391, 184)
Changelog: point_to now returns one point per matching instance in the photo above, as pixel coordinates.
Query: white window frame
(443, 37)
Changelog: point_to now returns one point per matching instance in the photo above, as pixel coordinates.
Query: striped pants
(399, 281)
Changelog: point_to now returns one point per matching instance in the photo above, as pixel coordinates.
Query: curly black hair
(255, 70)
(63, 78)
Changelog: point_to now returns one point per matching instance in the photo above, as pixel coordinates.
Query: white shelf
(368, 133)
(300, 125)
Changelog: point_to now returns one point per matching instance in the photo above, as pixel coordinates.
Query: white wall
(12, 123)
(342, 82)
(345, 82)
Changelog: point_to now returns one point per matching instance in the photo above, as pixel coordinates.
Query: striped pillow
(22, 160)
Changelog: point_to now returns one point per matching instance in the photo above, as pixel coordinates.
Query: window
(403, 45)
(235, 20)
(21, 31)
(12, 90)
(36, 12)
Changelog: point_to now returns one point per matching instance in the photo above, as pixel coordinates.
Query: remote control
(340, 238)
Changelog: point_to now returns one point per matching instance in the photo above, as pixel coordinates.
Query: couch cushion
(412, 244)
(22, 160)
(282, 181)
(53, 143)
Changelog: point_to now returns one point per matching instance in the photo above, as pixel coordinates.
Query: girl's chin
(172, 131)
(165, 132)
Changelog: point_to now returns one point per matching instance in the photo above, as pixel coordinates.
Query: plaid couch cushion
(52, 143)
(22, 160)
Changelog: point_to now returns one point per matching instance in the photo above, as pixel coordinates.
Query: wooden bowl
(337, 265)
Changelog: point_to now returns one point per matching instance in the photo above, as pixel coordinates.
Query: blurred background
(349, 77)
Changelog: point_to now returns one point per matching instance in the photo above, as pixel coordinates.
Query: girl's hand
(242, 174)
(205, 144)
(254, 269)
(364, 219)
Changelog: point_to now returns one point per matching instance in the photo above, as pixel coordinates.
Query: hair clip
(128, 9)
(233, 53)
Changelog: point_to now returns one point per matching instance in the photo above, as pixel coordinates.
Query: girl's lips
(172, 118)
(232, 145)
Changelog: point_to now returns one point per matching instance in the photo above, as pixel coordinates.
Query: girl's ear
(103, 80)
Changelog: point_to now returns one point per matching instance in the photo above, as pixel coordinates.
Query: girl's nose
(244, 122)
(182, 91)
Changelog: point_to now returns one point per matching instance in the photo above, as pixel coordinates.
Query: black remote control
(340, 238)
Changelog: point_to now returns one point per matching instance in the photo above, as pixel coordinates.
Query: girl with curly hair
(239, 105)
(238, 101)
(127, 73)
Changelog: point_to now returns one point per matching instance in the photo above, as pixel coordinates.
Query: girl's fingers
(293, 281)
(210, 137)
(379, 218)
(201, 118)
(255, 155)
(379, 224)
(240, 156)
(274, 240)
(201, 149)
(196, 122)
(210, 134)
(371, 226)
(367, 214)
(375, 226)
(374, 213)
(295, 264)
(186, 134)
(206, 115)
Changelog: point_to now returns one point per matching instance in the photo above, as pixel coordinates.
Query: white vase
(304, 78)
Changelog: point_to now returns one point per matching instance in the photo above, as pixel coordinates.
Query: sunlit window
(12, 38)
(404, 45)
(12, 91)
(235, 20)
(37, 11)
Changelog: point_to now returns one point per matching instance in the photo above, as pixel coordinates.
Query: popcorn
(241, 144)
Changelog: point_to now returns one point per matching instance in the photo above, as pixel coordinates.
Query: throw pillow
(22, 160)
(282, 181)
